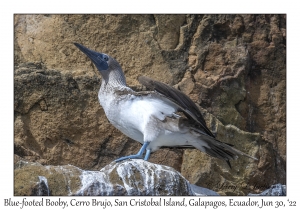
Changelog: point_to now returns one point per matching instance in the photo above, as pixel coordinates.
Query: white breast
(131, 114)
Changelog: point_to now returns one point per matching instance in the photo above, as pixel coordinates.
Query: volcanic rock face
(232, 66)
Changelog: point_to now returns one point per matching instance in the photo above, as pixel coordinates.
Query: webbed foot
(139, 155)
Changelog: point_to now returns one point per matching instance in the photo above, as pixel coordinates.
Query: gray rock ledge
(130, 177)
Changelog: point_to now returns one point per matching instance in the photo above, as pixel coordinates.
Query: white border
(8, 8)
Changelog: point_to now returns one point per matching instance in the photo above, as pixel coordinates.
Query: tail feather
(218, 149)
(228, 162)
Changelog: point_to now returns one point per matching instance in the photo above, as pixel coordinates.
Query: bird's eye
(105, 58)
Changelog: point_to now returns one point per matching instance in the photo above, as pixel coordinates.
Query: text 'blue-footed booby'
(149, 117)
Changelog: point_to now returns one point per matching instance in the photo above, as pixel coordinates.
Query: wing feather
(187, 106)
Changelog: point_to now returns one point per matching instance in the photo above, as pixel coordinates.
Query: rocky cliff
(232, 66)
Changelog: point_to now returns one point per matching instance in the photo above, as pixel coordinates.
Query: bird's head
(100, 60)
(107, 66)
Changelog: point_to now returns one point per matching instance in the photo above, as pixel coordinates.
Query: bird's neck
(113, 79)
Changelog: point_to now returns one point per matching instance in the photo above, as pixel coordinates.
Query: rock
(232, 66)
(201, 191)
(42, 188)
(132, 177)
(275, 190)
(36, 179)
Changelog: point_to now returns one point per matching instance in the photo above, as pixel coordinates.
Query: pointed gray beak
(99, 59)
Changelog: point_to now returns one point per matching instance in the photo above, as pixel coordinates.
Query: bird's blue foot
(139, 155)
(129, 157)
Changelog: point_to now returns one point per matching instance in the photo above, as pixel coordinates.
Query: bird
(162, 116)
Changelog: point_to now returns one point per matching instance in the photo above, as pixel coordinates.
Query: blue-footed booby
(153, 117)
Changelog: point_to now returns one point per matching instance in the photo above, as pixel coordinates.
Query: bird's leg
(148, 151)
(139, 155)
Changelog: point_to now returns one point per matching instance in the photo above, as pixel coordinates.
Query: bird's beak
(96, 57)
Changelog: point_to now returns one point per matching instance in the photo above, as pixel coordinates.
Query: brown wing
(188, 107)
